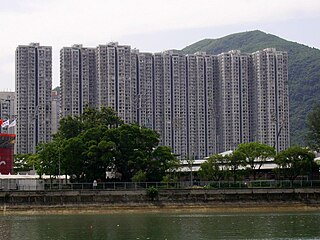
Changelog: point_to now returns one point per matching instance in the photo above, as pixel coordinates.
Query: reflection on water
(163, 226)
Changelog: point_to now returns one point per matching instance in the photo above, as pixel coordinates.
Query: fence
(115, 186)
(18, 185)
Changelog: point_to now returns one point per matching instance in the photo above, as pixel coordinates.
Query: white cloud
(64, 22)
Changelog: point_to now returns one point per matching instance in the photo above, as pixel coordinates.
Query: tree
(86, 151)
(190, 161)
(234, 162)
(86, 146)
(214, 168)
(48, 159)
(295, 161)
(36, 162)
(106, 117)
(313, 124)
(69, 127)
(91, 118)
(139, 176)
(99, 155)
(98, 152)
(73, 159)
(22, 163)
(130, 152)
(161, 163)
(136, 154)
(255, 154)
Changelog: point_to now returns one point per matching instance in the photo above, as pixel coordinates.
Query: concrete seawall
(97, 200)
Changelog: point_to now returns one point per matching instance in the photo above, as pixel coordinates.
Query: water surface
(189, 226)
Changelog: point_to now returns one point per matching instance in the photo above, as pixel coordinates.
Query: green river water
(193, 226)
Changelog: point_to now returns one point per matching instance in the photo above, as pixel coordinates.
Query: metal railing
(113, 186)
(12, 185)
(187, 185)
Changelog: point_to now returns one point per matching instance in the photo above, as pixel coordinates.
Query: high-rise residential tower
(77, 79)
(196, 104)
(7, 109)
(178, 97)
(200, 104)
(114, 79)
(170, 108)
(271, 98)
(144, 90)
(56, 111)
(184, 102)
(33, 96)
(232, 100)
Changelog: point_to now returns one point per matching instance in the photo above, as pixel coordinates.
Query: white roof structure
(29, 176)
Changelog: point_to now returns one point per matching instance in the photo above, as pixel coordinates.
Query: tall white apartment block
(211, 74)
(200, 104)
(233, 100)
(33, 96)
(144, 90)
(195, 103)
(7, 109)
(77, 79)
(55, 111)
(179, 106)
(271, 96)
(114, 79)
(158, 95)
(170, 100)
(184, 103)
(167, 101)
(135, 99)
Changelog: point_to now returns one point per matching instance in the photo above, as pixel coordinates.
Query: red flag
(1, 121)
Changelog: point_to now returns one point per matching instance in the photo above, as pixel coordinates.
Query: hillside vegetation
(304, 70)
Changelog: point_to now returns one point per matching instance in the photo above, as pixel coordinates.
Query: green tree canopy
(236, 160)
(255, 154)
(137, 151)
(48, 159)
(295, 161)
(92, 118)
(22, 163)
(162, 163)
(86, 146)
(69, 127)
(215, 167)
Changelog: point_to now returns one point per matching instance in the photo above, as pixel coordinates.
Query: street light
(59, 167)
(190, 163)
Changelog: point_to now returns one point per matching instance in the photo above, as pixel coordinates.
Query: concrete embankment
(97, 201)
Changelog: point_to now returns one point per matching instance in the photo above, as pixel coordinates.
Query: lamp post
(191, 180)
(59, 162)
(190, 164)
(59, 169)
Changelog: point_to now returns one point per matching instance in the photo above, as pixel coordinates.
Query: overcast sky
(149, 25)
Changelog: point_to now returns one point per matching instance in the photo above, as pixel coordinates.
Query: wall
(165, 197)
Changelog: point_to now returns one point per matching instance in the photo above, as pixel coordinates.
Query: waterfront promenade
(187, 199)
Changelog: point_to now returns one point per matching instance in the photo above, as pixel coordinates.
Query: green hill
(304, 70)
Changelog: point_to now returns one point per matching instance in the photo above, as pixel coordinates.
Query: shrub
(140, 176)
(152, 193)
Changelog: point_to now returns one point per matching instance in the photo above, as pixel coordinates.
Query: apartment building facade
(77, 79)
(33, 96)
(55, 111)
(7, 109)
(200, 104)
(233, 100)
(114, 79)
(271, 98)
